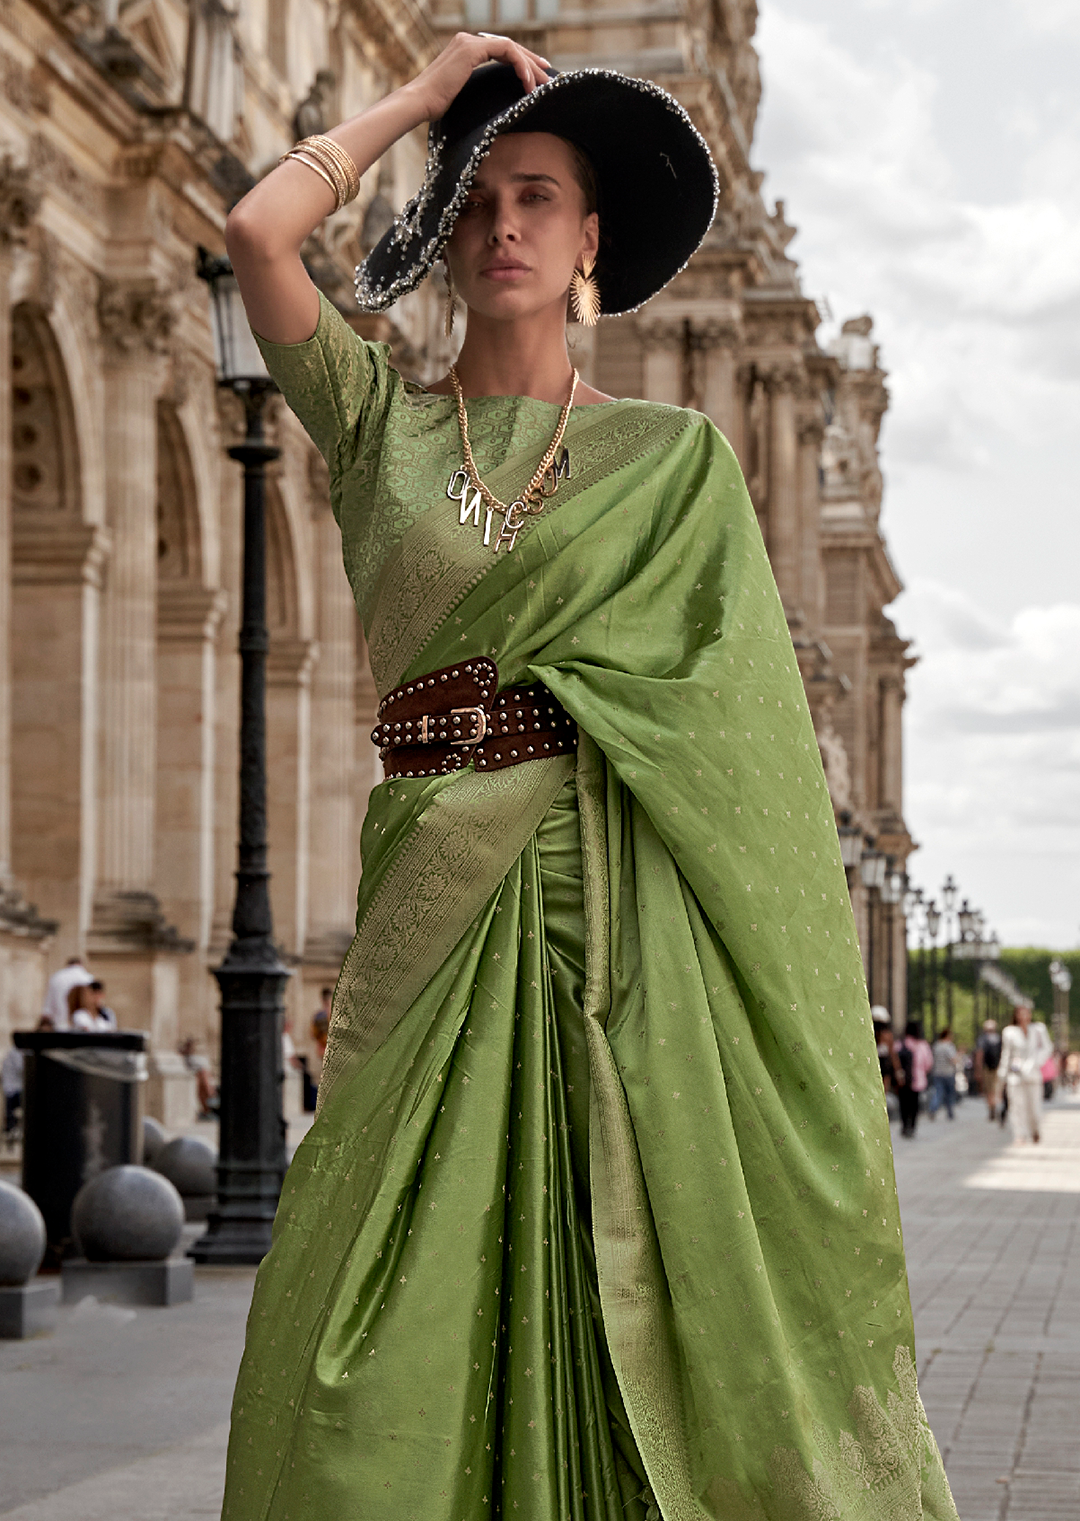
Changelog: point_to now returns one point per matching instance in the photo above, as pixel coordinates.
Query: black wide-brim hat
(656, 181)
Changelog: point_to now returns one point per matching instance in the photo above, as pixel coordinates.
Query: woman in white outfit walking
(1025, 1047)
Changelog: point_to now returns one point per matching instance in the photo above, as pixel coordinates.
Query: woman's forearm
(282, 211)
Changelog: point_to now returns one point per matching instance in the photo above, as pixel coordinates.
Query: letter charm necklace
(531, 501)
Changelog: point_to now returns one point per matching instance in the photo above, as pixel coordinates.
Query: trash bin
(82, 1112)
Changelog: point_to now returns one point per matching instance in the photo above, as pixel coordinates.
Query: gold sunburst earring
(448, 320)
(585, 293)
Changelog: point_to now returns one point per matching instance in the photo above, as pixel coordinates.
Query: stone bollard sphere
(190, 1164)
(127, 1214)
(154, 1141)
(22, 1236)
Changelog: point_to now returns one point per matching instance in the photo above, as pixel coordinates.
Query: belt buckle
(480, 720)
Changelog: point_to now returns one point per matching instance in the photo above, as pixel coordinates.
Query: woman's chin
(514, 306)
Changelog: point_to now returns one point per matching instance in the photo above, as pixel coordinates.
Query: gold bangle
(336, 161)
(331, 147)
(309, 163)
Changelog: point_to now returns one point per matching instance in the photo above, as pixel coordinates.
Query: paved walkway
(122, 1414)
(993, 1242)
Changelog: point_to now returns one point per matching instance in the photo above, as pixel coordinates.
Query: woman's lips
(505, 271)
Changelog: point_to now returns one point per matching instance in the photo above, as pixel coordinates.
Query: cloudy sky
(929, 152)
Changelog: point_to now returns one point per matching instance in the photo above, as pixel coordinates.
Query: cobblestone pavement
(993, 1243)
(122, 1414)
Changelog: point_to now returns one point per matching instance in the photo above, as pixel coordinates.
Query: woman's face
(523, 229)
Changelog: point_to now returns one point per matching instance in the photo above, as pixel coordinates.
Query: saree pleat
(454, 1334)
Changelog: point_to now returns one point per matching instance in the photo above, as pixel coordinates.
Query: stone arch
(180, 556)
(57, 561)
(282, 588)
(45, 454)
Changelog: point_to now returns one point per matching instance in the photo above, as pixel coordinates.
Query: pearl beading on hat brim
(381, 295)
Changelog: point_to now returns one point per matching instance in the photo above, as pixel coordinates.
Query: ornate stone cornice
(188, 614)
(289, 661)
(19, 202)
(713, 333)
(49, 551)
(784, 379)
(134, 316)
(661, 333)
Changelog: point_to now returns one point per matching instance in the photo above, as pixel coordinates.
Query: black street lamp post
(252, 977)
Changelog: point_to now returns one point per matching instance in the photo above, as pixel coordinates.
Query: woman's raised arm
(266, 230)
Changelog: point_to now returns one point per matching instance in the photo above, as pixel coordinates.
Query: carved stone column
(892, 743)
(332, 894)
(129, 939)
(135, 322)
(811, 431)
(783, 526)
(289, 668)
(713, 343)
(664, 342)
(188, 617)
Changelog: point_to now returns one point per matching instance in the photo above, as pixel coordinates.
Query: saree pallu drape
(598, 1217)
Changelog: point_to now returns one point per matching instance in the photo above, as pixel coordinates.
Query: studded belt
(440, 722)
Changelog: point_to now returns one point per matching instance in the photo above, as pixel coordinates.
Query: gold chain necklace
(531, 501)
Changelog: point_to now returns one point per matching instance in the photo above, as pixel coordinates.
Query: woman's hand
(440, 82)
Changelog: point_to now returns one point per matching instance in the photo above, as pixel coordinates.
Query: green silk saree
(597, 1219)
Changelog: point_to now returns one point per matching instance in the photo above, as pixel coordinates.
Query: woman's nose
(504, 227)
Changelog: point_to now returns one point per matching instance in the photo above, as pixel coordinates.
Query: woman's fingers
(530, 68)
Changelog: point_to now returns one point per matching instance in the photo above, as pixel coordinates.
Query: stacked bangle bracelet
(331, 162)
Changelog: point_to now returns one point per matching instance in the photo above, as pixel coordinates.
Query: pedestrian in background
(1025, 1046)
(11, 1079)
(988, 1065)
(892, 1073)
(320, 1027)
(107, 1019)
(72, 975)
(943, 1075)
(917, 1063)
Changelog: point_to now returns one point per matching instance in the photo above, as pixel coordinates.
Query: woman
(943, 1074)
(917, 1062)
(597, 1217)
(1025, 1048)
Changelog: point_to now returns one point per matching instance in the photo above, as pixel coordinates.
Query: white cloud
(993, 729)
(935, 179)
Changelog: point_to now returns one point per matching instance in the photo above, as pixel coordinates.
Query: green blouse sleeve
(335, 382)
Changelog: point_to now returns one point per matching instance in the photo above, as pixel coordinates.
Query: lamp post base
(233, 1240)
(251, 1161)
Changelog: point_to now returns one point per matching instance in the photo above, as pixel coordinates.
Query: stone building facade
(127, 129)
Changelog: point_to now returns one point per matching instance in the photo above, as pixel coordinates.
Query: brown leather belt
(440, 722)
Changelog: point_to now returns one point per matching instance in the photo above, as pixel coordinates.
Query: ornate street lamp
(252, 977)
(892, 891)
(1061, 979)
(948, 901)
(850, 841)
(932, 915)
(872, 868)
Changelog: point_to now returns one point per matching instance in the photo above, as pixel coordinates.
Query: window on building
(484, 15)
